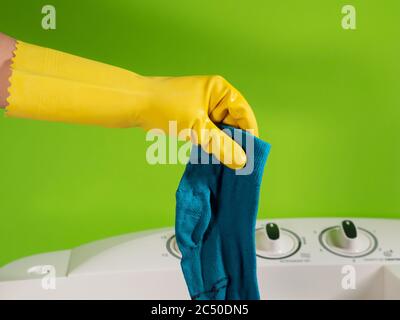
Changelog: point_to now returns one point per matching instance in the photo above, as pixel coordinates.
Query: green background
(327, 99)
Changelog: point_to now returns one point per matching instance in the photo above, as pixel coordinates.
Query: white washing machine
(327, 258)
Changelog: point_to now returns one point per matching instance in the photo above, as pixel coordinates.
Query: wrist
(147, 93)
(7, 47)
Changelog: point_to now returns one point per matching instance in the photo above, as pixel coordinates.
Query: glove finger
(218, 143)
(233, 109)
(241, 112)
(230, 121)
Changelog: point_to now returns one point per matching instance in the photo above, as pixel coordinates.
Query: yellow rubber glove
(50, 85)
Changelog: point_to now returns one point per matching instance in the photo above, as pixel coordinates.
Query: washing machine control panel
(322, 241)
(309, 258)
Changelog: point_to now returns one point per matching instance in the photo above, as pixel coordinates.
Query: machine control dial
(349, 229)
(172, 247)
(272, 230)
(273, 242)
(348, 240)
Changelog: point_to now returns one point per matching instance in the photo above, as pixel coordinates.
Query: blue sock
(216, 212)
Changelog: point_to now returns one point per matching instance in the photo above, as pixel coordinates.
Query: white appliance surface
(308, 258)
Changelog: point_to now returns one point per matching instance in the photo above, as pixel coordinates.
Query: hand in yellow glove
(51, 85)
(197, 103)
